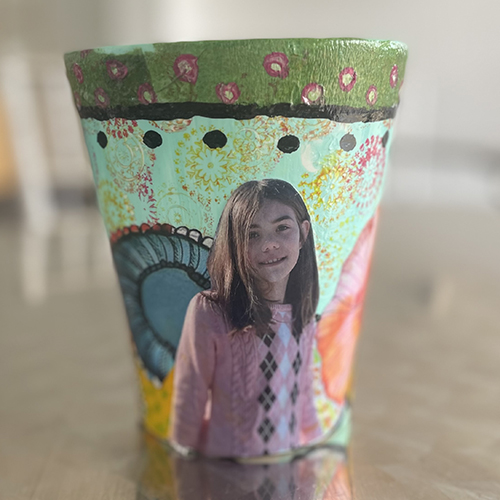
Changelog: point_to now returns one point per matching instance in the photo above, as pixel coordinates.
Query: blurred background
(447, 152)
(427, 402)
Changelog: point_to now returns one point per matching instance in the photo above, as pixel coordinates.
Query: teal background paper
(342, 189)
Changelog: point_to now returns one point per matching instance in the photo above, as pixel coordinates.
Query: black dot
(348, 142)
(288, 144)
(385, 138)
(215, 139)
(152, 139)
(102, 139)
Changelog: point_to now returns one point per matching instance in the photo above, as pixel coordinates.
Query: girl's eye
(253, 235)
(283, 227)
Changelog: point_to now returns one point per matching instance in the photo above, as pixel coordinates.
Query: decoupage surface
(182, 137)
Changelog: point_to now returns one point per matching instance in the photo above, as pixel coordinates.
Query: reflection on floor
(321, 474)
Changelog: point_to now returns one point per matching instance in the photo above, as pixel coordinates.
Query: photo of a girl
(243, 370)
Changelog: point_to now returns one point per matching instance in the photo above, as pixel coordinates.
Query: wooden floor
(426, 412)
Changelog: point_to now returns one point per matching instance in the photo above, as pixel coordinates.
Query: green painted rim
(305, 74)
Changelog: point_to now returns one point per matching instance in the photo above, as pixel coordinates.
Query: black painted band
(186, 110)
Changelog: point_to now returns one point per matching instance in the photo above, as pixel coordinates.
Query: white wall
(451, 91)
(450, 99)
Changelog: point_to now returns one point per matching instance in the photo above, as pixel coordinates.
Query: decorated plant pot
(239, 183)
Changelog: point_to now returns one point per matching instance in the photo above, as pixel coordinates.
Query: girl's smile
(274, 247)
(273, 262)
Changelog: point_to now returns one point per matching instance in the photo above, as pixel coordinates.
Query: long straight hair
(234, 285)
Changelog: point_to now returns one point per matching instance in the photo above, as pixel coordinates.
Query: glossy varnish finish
(426, 413)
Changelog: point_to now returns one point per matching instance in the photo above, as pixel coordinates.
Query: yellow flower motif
(316, 129)
(115, 207)
(212, 167)
(256, 140)
(327, 192)
(206, 168)
(177, 216)
(171, 126)
(156, 402)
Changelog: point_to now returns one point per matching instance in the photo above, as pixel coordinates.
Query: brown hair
(233, 282)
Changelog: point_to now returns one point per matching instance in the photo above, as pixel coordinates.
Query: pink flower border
(77, 71)
(371, 101)
(312, 87)
(347, 71)
(142, 92)
(222, 90)
(186, 68)
(116, 69)
(393, 77)
(101, 93)
(276, 58)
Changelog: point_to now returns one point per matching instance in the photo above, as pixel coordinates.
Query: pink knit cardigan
(241, 395)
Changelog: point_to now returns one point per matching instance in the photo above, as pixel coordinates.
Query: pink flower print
(228, 93)
(393, 77)
(85, 53)
(276, 64)
(146, 94)
(371, 95)
(338, 329)
(312, 93)
(78, 100)
(186, 68)
(78, 72)
(101, 98)
(347, 79)
(116, 69)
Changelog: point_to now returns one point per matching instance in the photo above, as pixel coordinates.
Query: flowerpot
(239, 183)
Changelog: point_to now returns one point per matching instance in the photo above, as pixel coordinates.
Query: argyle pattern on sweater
(241, 395)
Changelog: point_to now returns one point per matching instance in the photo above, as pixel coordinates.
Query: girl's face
(274, 246)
